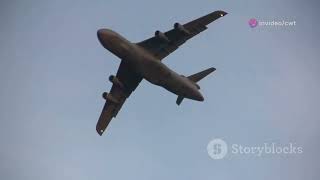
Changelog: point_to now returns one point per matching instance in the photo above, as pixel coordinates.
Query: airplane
(142, 60)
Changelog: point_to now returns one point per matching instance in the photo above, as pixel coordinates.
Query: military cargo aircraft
(142, 60)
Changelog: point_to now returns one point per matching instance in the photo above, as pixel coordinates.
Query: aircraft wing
(124, 83)
(162, 44)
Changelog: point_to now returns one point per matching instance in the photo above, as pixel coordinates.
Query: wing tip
(99, 130)
(219, 13)
(212, 69)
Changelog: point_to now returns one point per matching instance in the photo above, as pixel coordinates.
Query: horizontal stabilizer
(200, 75)
(179, 100)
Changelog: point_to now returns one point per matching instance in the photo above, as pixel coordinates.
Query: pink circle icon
(253, 22)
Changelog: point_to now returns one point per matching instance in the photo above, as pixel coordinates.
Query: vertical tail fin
(195, 78)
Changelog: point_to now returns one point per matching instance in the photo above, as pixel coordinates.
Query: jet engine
(113, 79)
(109, 97)
(160, 35)
(180, 28)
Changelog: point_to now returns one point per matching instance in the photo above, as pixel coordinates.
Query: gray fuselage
(149, 67)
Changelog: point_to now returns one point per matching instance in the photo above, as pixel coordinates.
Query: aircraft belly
(154, 72)
(159, 74)
(162, 76)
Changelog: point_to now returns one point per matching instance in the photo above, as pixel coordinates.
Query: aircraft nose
(103, 37)
(100, 33)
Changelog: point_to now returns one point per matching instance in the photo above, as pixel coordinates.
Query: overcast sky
(53, 71)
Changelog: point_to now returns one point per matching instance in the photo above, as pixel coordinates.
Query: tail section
(200, 75)
(195, 78)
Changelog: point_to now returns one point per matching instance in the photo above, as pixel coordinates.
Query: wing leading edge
(162, 44)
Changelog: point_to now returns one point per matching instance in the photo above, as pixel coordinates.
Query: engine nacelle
(180, 28)
(116, 81)
(160, 35)
(109, 97)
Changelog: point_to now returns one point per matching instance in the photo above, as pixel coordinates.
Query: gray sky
(53, 71)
